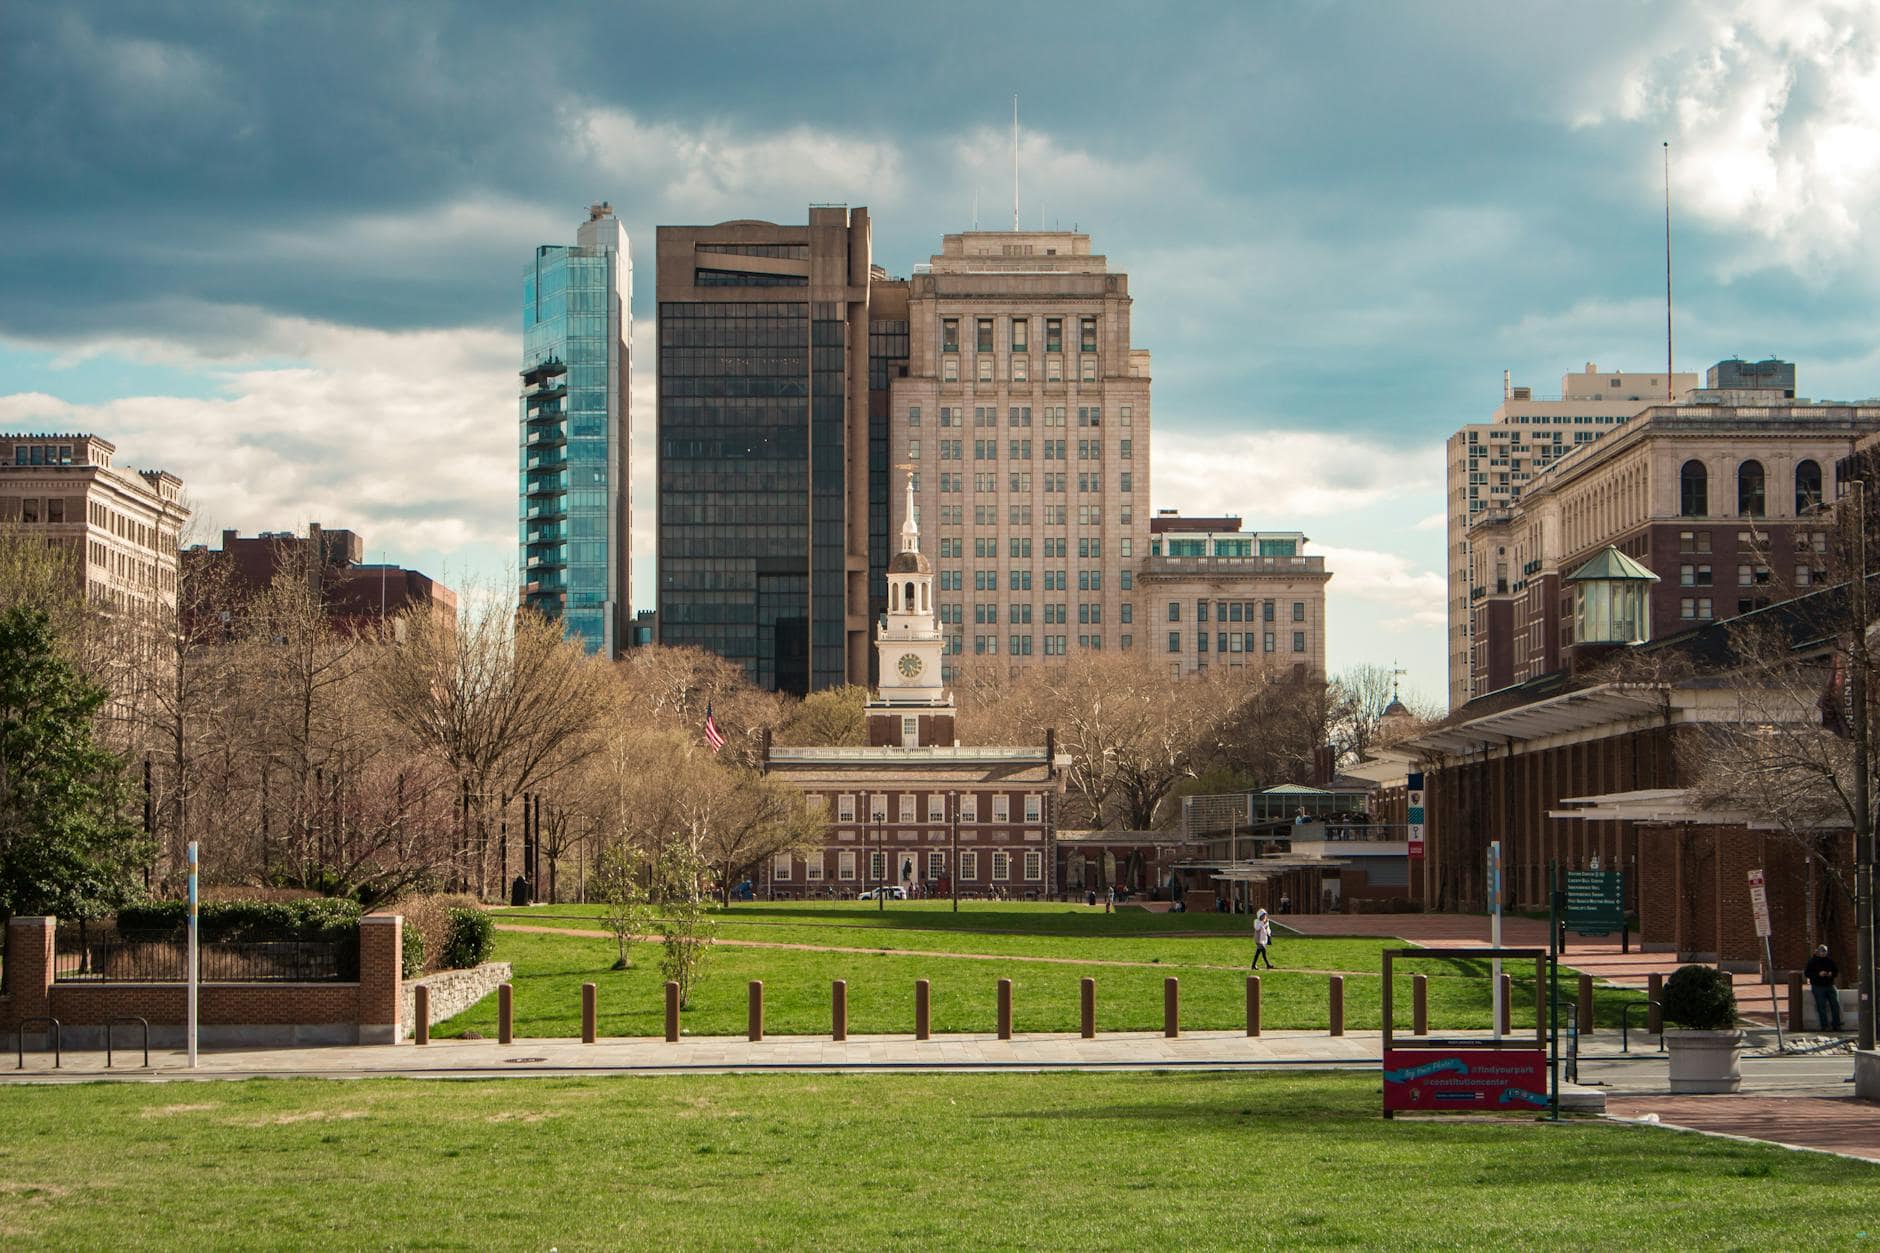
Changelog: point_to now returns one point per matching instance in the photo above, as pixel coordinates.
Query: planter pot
(1705, 1061)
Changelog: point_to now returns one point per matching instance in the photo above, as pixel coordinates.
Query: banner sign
(1595, 901)
(1440, 1080)
(1759, 903)
(1415, 819)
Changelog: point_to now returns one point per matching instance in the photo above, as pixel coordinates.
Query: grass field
(1039, 947)
(1088, 1160)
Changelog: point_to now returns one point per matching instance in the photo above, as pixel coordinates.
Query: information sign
(1415, 818)
(1595, 901)
(1759, 903)
(1465, 1078)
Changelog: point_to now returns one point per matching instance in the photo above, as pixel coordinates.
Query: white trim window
(845, 808)
(936, 807)
(936, 863)
(877, 867)
(1034, 866)
(1001, 807)
(780, 867)
(969, 807)
(845, 865)
(813, 867)
(1034, 807)
(969, 864)
(907, 807)
(1001, 865)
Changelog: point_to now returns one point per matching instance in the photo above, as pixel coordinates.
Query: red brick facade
(365, 1012)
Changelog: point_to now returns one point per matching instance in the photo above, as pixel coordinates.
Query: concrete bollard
(1087, 1008)
(923, 1010)
(839, 1010)
(1171, 1007)
(1586, 1004)
(1253, 1005)
(755, 1026)
(1419, 1004)
(1796, 992)
(505, 1013)
(421, 1028)
(1655, 992)
(589, 1012)
(1338, 1004)
(672, 1011)
(1005, 1009)
(1507, 1004)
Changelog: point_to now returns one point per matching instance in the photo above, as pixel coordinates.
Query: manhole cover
(513, 1060)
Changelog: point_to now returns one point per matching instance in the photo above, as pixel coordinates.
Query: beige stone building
(1490, 463)
(1024, 415)
(122, 524)
(1721, 496)
(1214, 595)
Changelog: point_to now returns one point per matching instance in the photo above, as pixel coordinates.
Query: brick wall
(366, 1011)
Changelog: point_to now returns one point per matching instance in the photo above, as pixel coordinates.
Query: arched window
(1693, 490)
(1807, 487)
(1749, 490)
(907, 599)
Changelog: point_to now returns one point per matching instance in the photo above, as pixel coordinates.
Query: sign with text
(1439, 1080)
(1414, 796)
(1759, 903)
(1595, 901)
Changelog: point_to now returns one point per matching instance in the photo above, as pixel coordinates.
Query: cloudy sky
(277, 248)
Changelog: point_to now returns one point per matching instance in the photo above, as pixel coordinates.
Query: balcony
(552, 509)
(552, 458)
(1175, 567)
(540, 535)
(541, 396)
(544, 435)
(544, 370)
(547, 485)
(544, 562)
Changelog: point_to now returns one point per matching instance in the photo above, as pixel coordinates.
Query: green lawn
(549, 971)
(846, 1161)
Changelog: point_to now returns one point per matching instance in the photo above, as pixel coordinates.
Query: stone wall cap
(27, 920)
(381, 918)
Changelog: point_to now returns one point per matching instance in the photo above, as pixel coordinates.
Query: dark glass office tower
(577, 365)
(764, 445)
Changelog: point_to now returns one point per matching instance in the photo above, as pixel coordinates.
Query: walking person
(1262, 937)
(1821, 973)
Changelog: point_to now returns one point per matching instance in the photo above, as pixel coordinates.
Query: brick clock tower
(912, 708)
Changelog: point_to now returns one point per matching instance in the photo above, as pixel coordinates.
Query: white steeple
(908, 640)
(910, 529)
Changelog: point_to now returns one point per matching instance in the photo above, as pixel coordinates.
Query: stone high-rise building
(575, 430)
(1024, 415)
(766, 355)
(1489, 463)
(121, 525)
(1215, 595)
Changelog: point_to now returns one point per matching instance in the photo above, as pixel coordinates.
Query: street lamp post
(953, 863)
(881, 851)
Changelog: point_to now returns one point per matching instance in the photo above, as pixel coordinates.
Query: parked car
(891, 892)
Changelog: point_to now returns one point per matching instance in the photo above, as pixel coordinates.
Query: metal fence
(105, 955)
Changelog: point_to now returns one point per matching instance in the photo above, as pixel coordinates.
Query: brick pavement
(1831, 1124)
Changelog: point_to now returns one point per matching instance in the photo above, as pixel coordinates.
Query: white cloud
(1407, 595)
(1278, 479)
(408, 437)
(1773, 110)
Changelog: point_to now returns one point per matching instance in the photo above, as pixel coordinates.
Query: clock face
(909, 665)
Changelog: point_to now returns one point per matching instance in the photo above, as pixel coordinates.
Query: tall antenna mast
(1014, 160)
(975, 208)
(1669, 387)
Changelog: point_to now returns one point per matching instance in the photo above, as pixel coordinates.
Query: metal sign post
(1494, 929)
(195, 955)
(1759, 907)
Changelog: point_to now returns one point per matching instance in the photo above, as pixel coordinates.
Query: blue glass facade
(572, 450)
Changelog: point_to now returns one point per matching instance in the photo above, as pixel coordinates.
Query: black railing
(106, 956)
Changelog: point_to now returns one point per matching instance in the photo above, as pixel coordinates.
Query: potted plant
(1706, 1054)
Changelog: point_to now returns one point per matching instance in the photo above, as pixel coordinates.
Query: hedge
(322, 918)
(470, 939)
(412, 959)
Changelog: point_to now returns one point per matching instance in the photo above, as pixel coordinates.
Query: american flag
(713, 735)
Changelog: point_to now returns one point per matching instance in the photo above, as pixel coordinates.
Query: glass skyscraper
(575, 503)
(764, 445)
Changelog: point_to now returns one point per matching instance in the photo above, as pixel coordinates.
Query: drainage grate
(514, 1060)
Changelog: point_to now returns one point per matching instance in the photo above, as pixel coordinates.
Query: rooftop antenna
(975, 208)
(1669, 389)
(1015, 161)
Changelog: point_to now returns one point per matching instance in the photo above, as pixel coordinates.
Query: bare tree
(674, 687)
(833, 717)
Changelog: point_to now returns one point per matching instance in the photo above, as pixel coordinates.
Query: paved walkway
(1122, 1050)
(1834, 1125)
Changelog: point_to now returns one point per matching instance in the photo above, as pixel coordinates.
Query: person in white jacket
(1262, 937)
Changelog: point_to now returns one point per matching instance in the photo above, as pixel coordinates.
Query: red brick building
(360, 597)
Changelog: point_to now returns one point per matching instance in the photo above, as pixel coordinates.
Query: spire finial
(910, 529)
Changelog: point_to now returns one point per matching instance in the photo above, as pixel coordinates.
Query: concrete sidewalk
(486, 1058)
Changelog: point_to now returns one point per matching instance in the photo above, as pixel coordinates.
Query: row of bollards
(1087, 1008)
